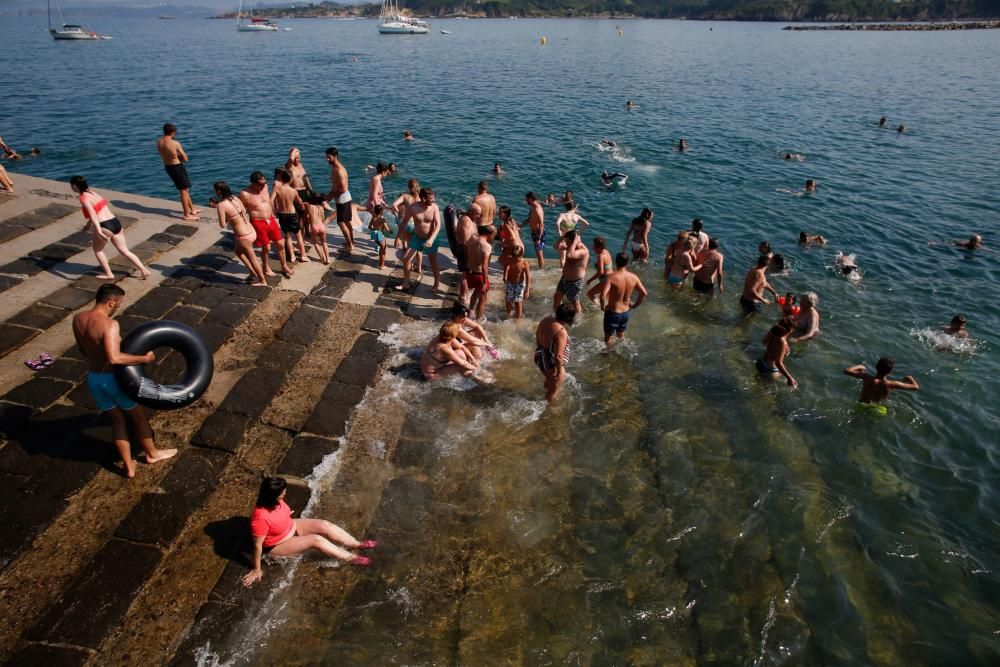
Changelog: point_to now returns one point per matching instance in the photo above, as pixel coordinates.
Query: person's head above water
(958, 321)
(882, 121)
(697, 225)
(901, 129)
(407, 135)
(810, 185)
(884, 366)
(566, 313)
(621, 260)
(975, 241)
(803, 237)
(809, 300)
(764, 248)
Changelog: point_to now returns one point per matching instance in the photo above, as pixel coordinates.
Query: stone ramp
(56, 455)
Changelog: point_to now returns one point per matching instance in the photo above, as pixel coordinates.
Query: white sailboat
(392, 22)
(255, 24)
(68, 30)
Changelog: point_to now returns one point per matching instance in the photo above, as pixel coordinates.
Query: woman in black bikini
(552, 348)
(104, 227)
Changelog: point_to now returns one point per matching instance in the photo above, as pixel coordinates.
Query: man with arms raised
(258, 204)
(752, 299)
(574, 271)
(536, 223)
(341, 196)
(174, 157)
(876, 388)
(480, 251)
(710, 273)
(617, 294)
(426, 219)
(97, 336)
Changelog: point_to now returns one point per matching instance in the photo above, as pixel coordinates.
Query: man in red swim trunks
(255, 197)
(479, 253)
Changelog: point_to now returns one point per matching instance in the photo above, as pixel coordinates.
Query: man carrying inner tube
(99, 339)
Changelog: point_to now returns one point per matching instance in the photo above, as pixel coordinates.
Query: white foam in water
(946, 342)
(619, 152)
(841, 259)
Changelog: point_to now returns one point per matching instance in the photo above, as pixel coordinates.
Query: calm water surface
(671, 509)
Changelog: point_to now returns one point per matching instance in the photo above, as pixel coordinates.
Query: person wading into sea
(638, 234)
(752, 299)
(617, 293)
(341, 197)
(536, 223)
(876, 388)
(174, 157)
(479, 252)
(99, 339)
(710, 273)
(552, 348)
(574, 271)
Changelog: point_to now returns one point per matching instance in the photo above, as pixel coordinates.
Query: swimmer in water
(882, 121)
(805, 239)
(497, 169)
(682, 145)
(772, 362)
(957, 327)
(407, 136)
(901, 129)
(612, 179)
(799, 157)
(847, 266)
(875, 388)
(810, 186)
(629, 106)
(975, 241)
(608, 143)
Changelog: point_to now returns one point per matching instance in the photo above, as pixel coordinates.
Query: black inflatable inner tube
(450, 224)
(179, 337)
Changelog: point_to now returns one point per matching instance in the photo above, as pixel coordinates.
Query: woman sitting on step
(104, 227)
(276, 533)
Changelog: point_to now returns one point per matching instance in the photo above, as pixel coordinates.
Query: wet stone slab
(38, 316)
(96, 602)
(281, 355)
(19, 529)
(38, 392)
(69, 297)
(253, 392)
(328, 419)
(306, 453)
(222, 430)
(36, 655)
(303, 326)
(12, 337)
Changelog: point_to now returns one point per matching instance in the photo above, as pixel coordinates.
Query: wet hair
(381, 168)
(332, 152)
(811, 296)
(270, 490)
(885, 366)
(223, 189)
(284, 175)
(378, 209)
(848, 269)
(810, 183)
(504, 212)
(762, 261)
(958, 319)
(691, 242)
(449, 330)
(169, 128)
(107, 292)
(600, 242)
(713, 244)
(459, 309)
(483, 186)
(80, 183)
(570, 205)
(518, 251)
(697, 224)
(779, 262)
(570, 236)
(425, 192)
(530, 196)
(568, 195)
(256, 176)
(566, 313)
(621, 260)
(646, 213)
(803, 237)
(763, 247)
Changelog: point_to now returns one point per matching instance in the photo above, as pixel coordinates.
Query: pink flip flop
(45, 360)
(34, 364)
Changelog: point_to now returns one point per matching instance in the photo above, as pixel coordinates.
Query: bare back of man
(174, 157)
(480, 251)
(617, 294)
(487, 203)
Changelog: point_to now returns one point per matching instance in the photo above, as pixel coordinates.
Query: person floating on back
(876, 388)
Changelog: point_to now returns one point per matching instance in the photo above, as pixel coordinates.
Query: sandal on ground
(45, 359)
(34, 364)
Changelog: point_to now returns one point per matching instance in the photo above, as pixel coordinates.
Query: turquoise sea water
(782, 527)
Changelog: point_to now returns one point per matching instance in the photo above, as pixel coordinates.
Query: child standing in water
(517, 281)
(379, 228)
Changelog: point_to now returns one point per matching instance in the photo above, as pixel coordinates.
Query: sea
(671, 507)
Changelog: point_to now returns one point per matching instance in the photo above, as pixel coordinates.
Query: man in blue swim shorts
(617, 294)
(426, 217)
(98, 337)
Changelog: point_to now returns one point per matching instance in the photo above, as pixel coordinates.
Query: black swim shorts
(289, 222)
(345, 212)
(179, 175)
(704, 288)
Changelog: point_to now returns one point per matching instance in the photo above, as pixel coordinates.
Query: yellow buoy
(543, 41)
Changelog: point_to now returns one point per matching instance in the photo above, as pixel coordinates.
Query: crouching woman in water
(275, 532)
(445, 355)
